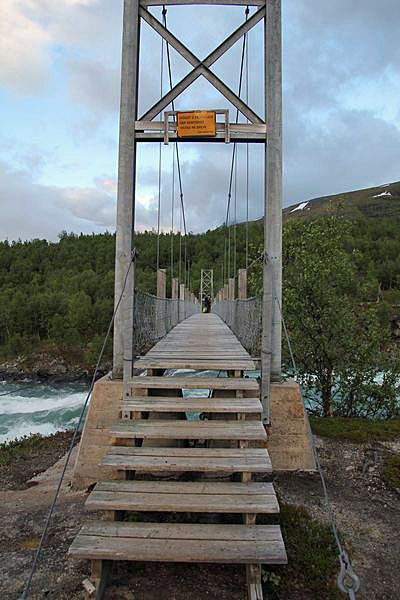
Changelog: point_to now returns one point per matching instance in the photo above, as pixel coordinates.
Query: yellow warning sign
(196, 123)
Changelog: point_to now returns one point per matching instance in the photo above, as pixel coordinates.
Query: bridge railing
(243, 317)
(154, 317)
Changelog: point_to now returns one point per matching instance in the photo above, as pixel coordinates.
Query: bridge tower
(265, 130)
(206, 287)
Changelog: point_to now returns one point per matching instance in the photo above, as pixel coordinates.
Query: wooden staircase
(219, 444)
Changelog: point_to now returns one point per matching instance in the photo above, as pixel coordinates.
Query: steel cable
(57, 493)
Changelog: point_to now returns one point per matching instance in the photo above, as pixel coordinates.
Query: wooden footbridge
(223, 449)
(214, 458)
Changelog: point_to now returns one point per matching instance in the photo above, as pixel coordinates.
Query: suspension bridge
(143, 422)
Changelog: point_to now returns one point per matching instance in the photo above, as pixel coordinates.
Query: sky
(59, 111)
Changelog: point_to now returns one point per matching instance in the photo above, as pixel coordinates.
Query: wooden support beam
(101, 572)
(200, 2)
(123, 324)
(254, 585)
(272, 269)
(201, 67)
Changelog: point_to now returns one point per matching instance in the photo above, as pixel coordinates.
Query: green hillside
(377, 202)
(63, 293)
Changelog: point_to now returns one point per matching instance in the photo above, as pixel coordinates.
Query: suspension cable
(178, 162)
(247, 10)
(247, 157)
(160, 160)
(172, 215)
(72, 444)
(235, 221)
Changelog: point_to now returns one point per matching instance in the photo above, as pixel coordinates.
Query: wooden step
(178, 360)
(170, 542)
(197, 383)
(189, 430)
(205, 460)
(176, 496)
(192, 405)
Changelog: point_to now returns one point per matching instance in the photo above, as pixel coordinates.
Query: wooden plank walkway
(153, 437)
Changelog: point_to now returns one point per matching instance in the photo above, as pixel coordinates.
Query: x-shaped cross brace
(201, 67)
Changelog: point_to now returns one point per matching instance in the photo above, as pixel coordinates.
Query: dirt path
(368, 513)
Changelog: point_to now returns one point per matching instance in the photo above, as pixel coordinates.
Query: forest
(60, 294)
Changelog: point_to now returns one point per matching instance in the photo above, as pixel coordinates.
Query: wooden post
(242, 284)
(123, 325)
(175, 303)
(231, 288)
(226, 292)
(161, 302)
(161, 283)
(182, 302)
(272, 272)
(174, 288)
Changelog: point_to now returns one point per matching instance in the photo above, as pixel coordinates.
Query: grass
(356, 430)
(312, 558)
(391, 471)
(25, 445)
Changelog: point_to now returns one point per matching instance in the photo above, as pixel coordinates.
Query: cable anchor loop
(347, 580)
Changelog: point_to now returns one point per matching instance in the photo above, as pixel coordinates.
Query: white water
(40, 408)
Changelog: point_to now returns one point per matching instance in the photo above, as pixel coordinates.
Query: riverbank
(47, 368)
(366, 504)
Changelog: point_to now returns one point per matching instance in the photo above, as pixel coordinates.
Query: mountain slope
(376, 202)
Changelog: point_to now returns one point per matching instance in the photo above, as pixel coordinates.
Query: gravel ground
(367, 511)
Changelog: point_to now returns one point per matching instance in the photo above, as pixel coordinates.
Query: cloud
(24, 46)
(340, 65)
(94, 85)
(354, 149)
(31, 210)
(33, 31)
(95, 204)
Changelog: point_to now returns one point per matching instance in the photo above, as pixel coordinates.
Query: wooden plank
(181, 501)
(191, 452)
(195, 363)
(181, 543)
(188, 487)
(205, 430)
(211, 405)
(164, 459)
(210, 551)
(199, 383)
(183, 531)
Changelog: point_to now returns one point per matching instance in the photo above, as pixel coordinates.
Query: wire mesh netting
(154, 317)
(243, 317)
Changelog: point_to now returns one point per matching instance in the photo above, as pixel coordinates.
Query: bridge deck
(202, 341)
(154, 437)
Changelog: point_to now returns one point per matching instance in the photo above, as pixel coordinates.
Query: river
(39, 408)
(47, 408)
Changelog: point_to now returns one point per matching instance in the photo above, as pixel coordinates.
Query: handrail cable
(347, 580)
(72, 444)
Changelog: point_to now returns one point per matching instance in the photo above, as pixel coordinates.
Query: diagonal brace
(202, 67)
